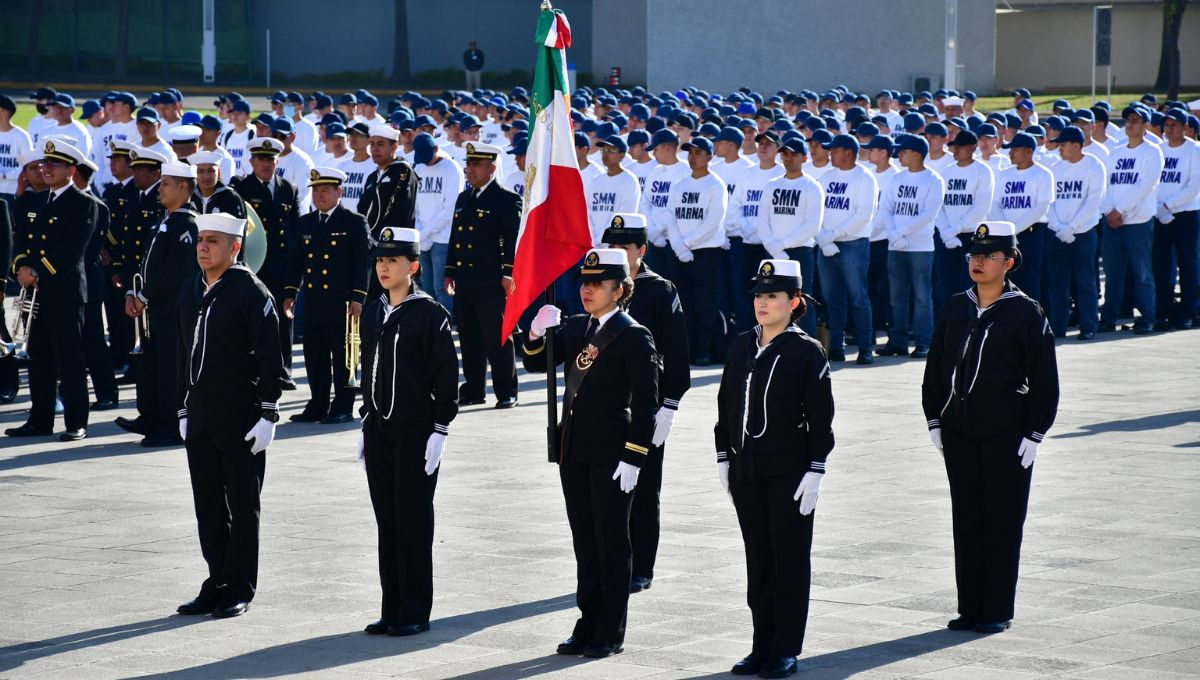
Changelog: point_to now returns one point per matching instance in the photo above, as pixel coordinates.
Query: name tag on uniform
(385, 179)
(162, 228)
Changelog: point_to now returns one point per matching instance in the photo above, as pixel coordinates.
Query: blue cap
(468, 122)
(1084, 114)
(1175, 114)
(663, 136)
(1055, 123)
(210, 122)
(424, 120)
(866, 129)
(957, 122)
(822, 137)
(709, 130)
(582, 141)
(1036, 131)
(1156, 119)
(907, 142)
(190, 118)
(90, 108)
(1012, 121)
(844, 142)
(905, 98)
(615, 142)
(987, 130)
(1025, 104)
(63, 99)
(424, 148)
(147, 114)
(928, 110)
(881, 142)
(731, 134)
(964, 138)
(637, 137)
(402, 123)
(1021, 92)
(795, 145)
(336, 129)
(1069, 134)
(1022, 140)
(913, 122)
(1139, 111)
(936, 130)
(699, 144)
(323, 101)
(347, 99)
(520, 145)
(279, 97)
(240, 106)
(1061, 104)
(264, 118)
(282, 126)
(970, 95)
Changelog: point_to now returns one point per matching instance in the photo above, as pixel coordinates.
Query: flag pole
(553, 443)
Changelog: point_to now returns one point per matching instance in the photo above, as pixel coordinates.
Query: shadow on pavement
(14, 656)
(1158, 421)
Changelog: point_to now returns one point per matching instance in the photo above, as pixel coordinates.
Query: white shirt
(38, 126)
(642, 171)
(1023, 197)
(655, 196)
(966, 201)
(610, 194)
(882, 181)
(1133, 177)
(745, 202)
(731, 174)
(356, 178)
(74, 131)
(815, 172)
(296, 168)
(850, 197)
(908, 209)
(1078, 191)
(438, 187)
(939, 164)
(307, 137)
(235, 143)
(695, 214)
(790, 214)
(1179, 186)
(12, 144)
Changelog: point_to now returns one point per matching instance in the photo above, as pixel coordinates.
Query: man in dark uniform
(275, 200)
(232, 384)
(212, 195)
(24, 210)
(483, 239)
(168, 264)
(329, 263)
(8, 367)
(120, 198)
(608, 422)
(96, 355)
(655, 305)
(52, 262)
(142, 216)
(389, 197)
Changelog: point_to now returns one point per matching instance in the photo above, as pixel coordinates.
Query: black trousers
(989, 495)
(158, 371)
(479, 309)
(226, 482)
(275, 286)
(10, 379)
(698, 283)
(879, 287)
(778, 543)
(324, 329)
(598, 512)
(120, 327)
(644, 516)
(96, 354)
(1028, 278)
(402, 496)
(54, 357)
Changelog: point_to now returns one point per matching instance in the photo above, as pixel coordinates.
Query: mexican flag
(554, 232)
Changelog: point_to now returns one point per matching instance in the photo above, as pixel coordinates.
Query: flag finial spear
(546, 6)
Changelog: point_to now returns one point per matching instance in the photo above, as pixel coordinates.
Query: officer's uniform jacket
(54, 246)
(92, 263)
(170, 259)
(330, 260)
(655, 305)
(775, 403)
(483, 235)
(993, 370)
(6, 234)
(389, 197)
(25, 212)
(410, 367)
(278, 209)
(142, 216)
(119, 198)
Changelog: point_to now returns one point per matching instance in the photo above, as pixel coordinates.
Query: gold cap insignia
(112, 145)
(49, 147)
(618, 221)
(133, 155)
(592, 259)
(470, 148)
(767, 269)
(386, 234)
(314, 175)
(982, 231)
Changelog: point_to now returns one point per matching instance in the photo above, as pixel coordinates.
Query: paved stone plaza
(98, 546)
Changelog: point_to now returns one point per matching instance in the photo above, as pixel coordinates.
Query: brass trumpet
(26, 307)
(353, 346)
(141, 325)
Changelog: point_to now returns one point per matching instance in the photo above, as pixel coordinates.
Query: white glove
(1066, 235)
(936, 435)
(183, 428)
(723, 473)
(807, 492)
(626, 475)
(362, 446)
(1165, 216)
(262, 434)
(548, 316)
(684, 255)
(663, 420)
(899, 243)
(433, 452)
(951, 242)
(830, 249)
(776, 250)
(1027, 451)
(726, 245)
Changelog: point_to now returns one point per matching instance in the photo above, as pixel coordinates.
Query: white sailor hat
(952, 101)
(625, 228)
(180, 170)
(184, 134)
(318, 176)
(119, 147)
(57, 150)
(478, 151)
(776, 276)
(222, 222)
(29, 156)
(993, 235)
(386, 131)
(140, 156)
(398, 242)
(265, 146)
(205, 158)
(604, 264)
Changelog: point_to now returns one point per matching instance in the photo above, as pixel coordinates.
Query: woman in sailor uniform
(410, 392)
(990, 394)
(774, 431)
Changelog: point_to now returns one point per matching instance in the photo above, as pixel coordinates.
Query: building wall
(619, 38)
(1052, 48)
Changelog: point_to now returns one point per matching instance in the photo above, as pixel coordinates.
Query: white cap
(141, 156)
(325, 176)
(184, 133)
(628, 221)
(769, 269)
(222, 222)
(952, 101)
(995, 228)
(87, 163)
(401, 234)
(268, 146)
(385, 131)
(481, 151)
(181, 170)
(29, 156)
(58, 150)
(205, 158)
(120, 147)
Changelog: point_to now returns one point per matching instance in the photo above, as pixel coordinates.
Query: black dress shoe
(837, 355)
(920, 352)
(865, 358)
(7, 397)
(305, 417)
(28, 430)
(1086, 335)
(157, 441)
(379, 627)
(993, 627)
(506, 403)
(1106, 328)
(778, 667)
(704, 360)
(196, 607)
(337, 419)
(1185, 325)
(1162, 327)
(127, 379)
(572, 646)
(891, 351)
(601, 650)
(406, 629)
(462, 401)
(104, 405)
(1143, 330)
(289, 385)
(134, 425)
(638, 584)
(750, 665)
(230, 610)
(961, 623)
(73, 435)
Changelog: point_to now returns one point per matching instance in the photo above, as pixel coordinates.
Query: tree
(401, 66)
(122, 56)
(1168, 61)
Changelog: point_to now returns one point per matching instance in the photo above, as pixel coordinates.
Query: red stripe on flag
(563, 33)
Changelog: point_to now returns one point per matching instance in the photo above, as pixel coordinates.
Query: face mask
(42, 109)
(289, 110)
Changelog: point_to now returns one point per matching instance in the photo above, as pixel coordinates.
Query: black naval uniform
(278, 209)
(787, 432)
(9, 377)
(389, 198)
(329, 263)
(54, 249)
(142, 217)
(96, 353)
(120, 199)
(991, 379)
(409, 388)
(223, 200)
(655, 305)
(483, 240)
(232, 376)
(169, 265)
(608, 418)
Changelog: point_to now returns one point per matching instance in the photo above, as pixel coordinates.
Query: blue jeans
(1128, 247)
(910, 274)
(433, 269)
(1031, 242)
(844, 278)
(1066, 261)
(807, 257)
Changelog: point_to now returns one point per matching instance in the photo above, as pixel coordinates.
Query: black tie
(593, 326)
(324, 219)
